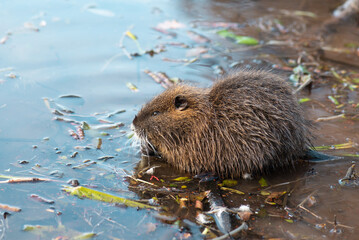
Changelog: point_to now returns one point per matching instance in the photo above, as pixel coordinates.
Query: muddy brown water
(54, 48)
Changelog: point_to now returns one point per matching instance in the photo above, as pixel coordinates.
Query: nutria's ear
(180, 102)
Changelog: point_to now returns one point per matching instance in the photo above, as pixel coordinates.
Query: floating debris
(351, 178)
(70, 96)
(162, 78)
(73, 182)
(132, 87)
(11, 75)
(263, 182)
(197, 37)
(100, 12)
(41, 199)
(31, 26)
(196, 51)
(80, 132)
(74, 135)
(182, 179)
(219, 24)
(66, 120)
(228, 183)
(172, 34)
(274, 198)
(129, 34)
(23, 162)
(177, 44)
(81, 166)
(4, 39)
(303, 100)
(99, 143)
(333, 100)
(83, 192)
(239, 39)
(232, 190)
(170, 24)
(105, 158)
(12, 179)
(84, 236)
(106, 126)
(322, 119)
(9, 208)
(115, 113)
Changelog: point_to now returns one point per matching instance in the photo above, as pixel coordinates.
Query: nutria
(247, 122)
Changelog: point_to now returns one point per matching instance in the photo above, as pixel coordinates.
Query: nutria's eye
(155, 113)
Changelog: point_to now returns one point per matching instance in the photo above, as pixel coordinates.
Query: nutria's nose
(135, 120)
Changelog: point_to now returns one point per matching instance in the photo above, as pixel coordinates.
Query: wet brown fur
(247, 122)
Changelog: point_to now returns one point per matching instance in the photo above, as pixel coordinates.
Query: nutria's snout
(146, 147)
(134, 121)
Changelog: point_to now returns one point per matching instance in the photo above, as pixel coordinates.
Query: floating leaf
(263, 182)
(182, 179)
(232, 190)
(28, 228)
(229, 183)
(347, 145)
(351, 155)
(265, 193)
(135, 39)
(85, 236)
(333, 100)
(246, 40)
(131, 35)
(303, 100)
(83, 192)
(336, 75)
(130, 135)
(305, 13)
(226, 34)
(239, 39)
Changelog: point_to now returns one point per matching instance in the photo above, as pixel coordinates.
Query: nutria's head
(169, 118)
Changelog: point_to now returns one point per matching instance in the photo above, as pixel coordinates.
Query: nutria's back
(247, 122)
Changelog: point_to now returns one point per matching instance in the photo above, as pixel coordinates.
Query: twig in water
(284, 183)
(244, 226)
(307, 198)
(303, 85)
(121, 43)
(142, 181)
(110, 60)
(308, 211)
(322, 119)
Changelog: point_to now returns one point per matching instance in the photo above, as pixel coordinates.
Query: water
(66, 47)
